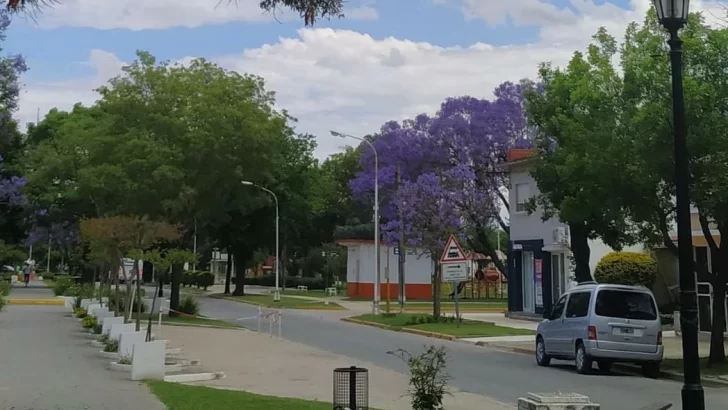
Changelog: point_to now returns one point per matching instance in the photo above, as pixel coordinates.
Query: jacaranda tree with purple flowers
(448, 165)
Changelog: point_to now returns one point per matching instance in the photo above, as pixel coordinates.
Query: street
(501, 375)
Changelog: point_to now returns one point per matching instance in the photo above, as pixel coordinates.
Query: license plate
(627, 331)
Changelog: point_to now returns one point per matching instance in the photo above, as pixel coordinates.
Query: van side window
(578, 304)
(558, 308)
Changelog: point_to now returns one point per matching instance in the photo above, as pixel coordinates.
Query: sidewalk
(47, 365)
(261, 364)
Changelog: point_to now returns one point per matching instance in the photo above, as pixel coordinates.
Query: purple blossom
(448, 164)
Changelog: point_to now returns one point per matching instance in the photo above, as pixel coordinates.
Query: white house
(360, 270)
(539, 267)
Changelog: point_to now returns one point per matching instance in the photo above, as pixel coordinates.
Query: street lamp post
(277, 293)
(375, 302)
(673, 15)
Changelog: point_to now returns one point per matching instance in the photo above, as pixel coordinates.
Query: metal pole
(277, 295)
(402, 250)
(692, 392)
(194, 244)
(48, 261)
(386, 275)
(376, 228)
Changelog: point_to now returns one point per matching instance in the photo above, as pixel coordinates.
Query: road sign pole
(457, 305)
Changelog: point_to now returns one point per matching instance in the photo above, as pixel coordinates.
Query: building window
(522, 195)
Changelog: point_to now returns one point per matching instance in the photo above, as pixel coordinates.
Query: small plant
(3, 302)
(4, 289)
(189, 306)
(80, 312)
(98, 328)
(428, 378)
(89, 322)
(104, 338)
(61, 286)
(125, 360)
(111, 346)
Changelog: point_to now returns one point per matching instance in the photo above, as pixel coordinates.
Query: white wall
(523, 225)
(418, 266)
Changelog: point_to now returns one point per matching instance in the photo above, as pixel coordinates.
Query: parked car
(603, 323)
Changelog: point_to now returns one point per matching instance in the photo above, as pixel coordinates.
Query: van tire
(583, 361)
(542, 359)
(651, 370)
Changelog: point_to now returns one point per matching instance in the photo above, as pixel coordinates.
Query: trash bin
(351, 388)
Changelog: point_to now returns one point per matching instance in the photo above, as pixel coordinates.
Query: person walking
(26, 274)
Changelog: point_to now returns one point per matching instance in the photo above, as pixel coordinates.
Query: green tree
(578, 117)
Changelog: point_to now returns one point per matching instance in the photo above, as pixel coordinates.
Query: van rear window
(625, 304)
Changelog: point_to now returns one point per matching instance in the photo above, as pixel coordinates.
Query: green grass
(183, 397)
(676, 365)
(318, 293)
(468, 328)
(194, 291)
(286, 302)
(191, 321)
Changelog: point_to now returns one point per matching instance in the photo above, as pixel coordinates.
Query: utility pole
(194, 244)
(48, 262)
(402, 251)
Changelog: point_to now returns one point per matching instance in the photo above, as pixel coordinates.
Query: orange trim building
(360, 268)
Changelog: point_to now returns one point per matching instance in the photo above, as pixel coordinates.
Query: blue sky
(329, 76)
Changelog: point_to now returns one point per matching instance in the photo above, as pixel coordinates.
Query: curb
(623, 367)
(400, 329)
(56, 302)
(207, 326)
(333, 307)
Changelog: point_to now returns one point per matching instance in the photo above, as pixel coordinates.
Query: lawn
(286, 302)
(468, 328)
(189, 320)
(183, 397)
(317, 293)
(194, 291)
(474, 304)
(676, 365)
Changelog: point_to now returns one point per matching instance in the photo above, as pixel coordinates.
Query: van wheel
(542, 359)
(604, 366)
(651, 370)
(583, 362)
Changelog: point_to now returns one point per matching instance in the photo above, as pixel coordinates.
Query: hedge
(196, 278)
(291, 282)
(627, 268)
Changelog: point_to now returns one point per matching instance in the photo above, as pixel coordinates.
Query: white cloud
(161, 14)
(348, 81)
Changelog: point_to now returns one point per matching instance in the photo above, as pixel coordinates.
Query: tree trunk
(242, 257)
(117, 295)
(228, 272)
(175, 280)
(490, 251)
(581, 252)
(437, 290)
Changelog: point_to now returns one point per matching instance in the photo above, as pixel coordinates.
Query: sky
(386, 60)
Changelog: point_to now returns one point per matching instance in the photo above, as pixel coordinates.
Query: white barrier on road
(128, 340)
(148, 360)
(110, 321)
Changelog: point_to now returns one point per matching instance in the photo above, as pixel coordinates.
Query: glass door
(529, 280)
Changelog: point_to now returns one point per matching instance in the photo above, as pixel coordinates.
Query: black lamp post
(673, 15)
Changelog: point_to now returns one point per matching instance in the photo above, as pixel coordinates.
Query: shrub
(89, 322)
(205, 280)
(4, 289)
(80, 313)
(2, 302)
(62, 285)
(111, 346)
(189, 278)
(189, 306)
(627, 268)
(98, 328)
(428, 379)
(125, 360)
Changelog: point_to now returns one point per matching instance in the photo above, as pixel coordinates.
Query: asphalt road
(501, 375)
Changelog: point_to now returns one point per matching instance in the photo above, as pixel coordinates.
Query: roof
(518, 156)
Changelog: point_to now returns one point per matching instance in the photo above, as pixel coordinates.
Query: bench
(302, 288)
(331, 291)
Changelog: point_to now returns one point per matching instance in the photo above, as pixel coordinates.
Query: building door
(558, 276)
(529, 282)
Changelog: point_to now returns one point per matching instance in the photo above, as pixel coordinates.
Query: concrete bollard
(90, 309)
(556, 401)
(117, 329)
(110, 321)
(148, 361)
(128, 340)
(86, 302)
